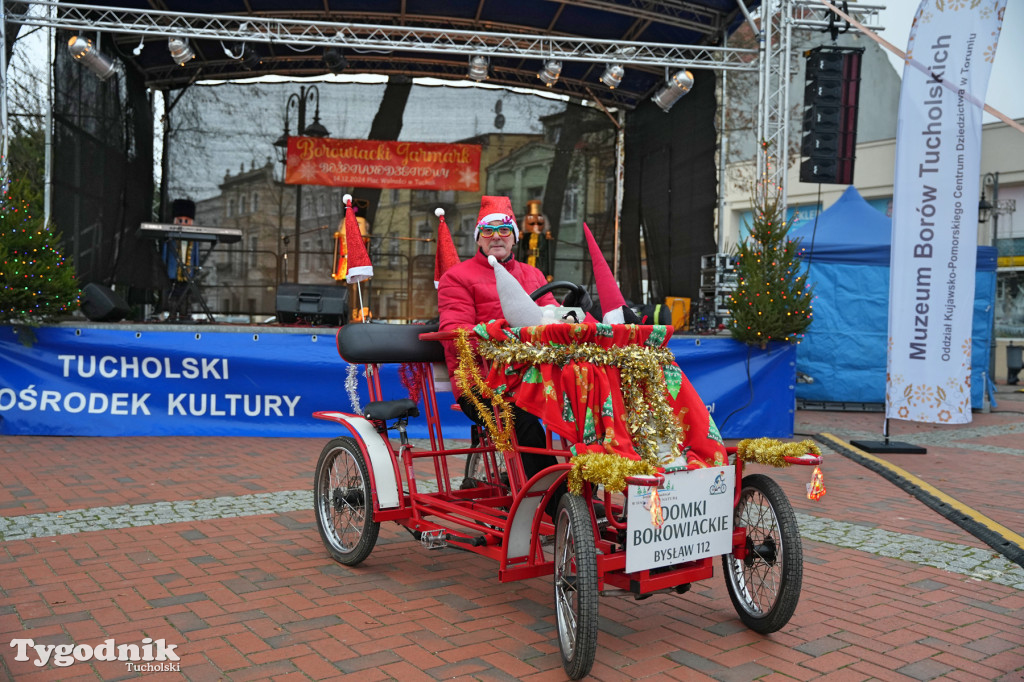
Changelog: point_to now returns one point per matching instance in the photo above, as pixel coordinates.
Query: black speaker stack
(831, 91)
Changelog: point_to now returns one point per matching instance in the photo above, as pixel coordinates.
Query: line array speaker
(831, 92)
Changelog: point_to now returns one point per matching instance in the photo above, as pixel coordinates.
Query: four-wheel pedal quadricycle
(650, 532)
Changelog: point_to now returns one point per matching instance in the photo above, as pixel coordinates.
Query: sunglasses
(488, 232)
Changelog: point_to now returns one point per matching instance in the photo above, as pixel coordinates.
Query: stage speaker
(312, 303)
(102, 304)
(828, 143)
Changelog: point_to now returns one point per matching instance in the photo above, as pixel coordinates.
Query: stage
(123, 379)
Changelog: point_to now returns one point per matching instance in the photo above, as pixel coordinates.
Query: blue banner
(103, 381)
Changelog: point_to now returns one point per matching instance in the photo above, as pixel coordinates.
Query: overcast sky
(1004, 90)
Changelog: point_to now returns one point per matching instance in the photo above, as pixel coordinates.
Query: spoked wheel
(343, 502)
(476, 472)
(765, 586)
(575, 586)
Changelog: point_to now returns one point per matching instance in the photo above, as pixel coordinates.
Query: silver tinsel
(352, 388)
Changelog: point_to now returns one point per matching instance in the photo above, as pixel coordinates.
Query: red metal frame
(479, 516)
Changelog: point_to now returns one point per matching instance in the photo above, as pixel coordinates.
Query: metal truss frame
(314, 32)
(771, 59)
(774, 83)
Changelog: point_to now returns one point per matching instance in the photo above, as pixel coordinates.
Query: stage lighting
(677, 86)
(612, 75)
(335, 60)
(181, 51)
(81, 50)
(550, 73)
(478, 68)
(249, 57)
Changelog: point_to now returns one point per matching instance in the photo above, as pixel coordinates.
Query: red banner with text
(383, 164)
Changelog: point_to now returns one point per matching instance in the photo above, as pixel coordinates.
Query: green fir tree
(772, 300)
(37, 284)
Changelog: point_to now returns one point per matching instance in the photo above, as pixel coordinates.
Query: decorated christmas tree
(37, 283)
(772, 300)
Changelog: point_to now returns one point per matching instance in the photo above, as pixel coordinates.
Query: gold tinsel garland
(773, 452)
(649, 417)
(467, 374)
(605, 469)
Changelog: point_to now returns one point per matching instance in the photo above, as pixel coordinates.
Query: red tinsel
(412, 375)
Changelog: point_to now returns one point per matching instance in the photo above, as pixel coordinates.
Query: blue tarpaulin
(95, 380)
(844, 349)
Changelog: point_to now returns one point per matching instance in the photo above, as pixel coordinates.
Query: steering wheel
(577, 296)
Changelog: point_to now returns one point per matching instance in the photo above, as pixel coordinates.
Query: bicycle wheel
(575, 586)
(475, 471)
(765, 586)
(343, 503)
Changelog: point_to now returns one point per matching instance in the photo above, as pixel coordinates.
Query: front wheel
(575, 585)
(343, 502)
(765, 586)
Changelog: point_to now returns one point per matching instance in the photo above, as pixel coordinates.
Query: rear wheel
(343, 502)
(575, 586)
(765, 586)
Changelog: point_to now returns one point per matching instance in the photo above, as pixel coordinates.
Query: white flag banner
(935, 209)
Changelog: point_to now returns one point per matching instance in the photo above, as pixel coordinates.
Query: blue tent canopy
(844, 350)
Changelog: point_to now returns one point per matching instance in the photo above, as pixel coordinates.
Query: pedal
(434, 539)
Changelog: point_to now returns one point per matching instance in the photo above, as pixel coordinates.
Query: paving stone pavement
(210, 544)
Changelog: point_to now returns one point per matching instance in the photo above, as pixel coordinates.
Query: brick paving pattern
(210, 544)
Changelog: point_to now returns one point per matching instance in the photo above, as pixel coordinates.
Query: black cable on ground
(1009, 549)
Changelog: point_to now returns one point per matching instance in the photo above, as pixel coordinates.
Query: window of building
(425, 233)
(255, 202)
(394, 257)
(254, 258)
(321, 205)
(571, 205)
(395, 196)
(243, 204)
(464, 242)
(231, 207)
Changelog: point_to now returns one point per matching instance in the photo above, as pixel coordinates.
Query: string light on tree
(37, 283)
(767, 263)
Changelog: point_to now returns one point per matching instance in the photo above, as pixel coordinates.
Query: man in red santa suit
(467, 294)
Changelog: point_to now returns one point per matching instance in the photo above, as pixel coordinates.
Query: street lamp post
(993, 210)
(298, 102)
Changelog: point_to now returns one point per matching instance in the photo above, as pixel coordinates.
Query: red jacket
(467, 294)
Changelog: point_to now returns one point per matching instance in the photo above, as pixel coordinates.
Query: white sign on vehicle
(696, 510)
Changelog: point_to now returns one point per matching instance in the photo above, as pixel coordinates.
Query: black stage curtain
(103, 172)
(670, 193)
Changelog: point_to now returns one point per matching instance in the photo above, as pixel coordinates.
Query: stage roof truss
(316, 33)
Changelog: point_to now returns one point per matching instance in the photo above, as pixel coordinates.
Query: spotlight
(248, 57)
(181, 51)
(550, 73)
(335, 60)
(612, 75)
(677, 86)
(478, 68)
(81, 50)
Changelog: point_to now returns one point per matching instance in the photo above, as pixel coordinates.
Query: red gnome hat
(446, 255)
(359, 266)
(613, 305)
(495, 208)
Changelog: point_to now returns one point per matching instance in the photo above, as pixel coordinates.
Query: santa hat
(495, 208)
(613, 305)
(446, 255)
(359, 266)
(518, 309)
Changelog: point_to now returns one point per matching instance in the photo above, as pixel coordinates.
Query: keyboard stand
(178, 303)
